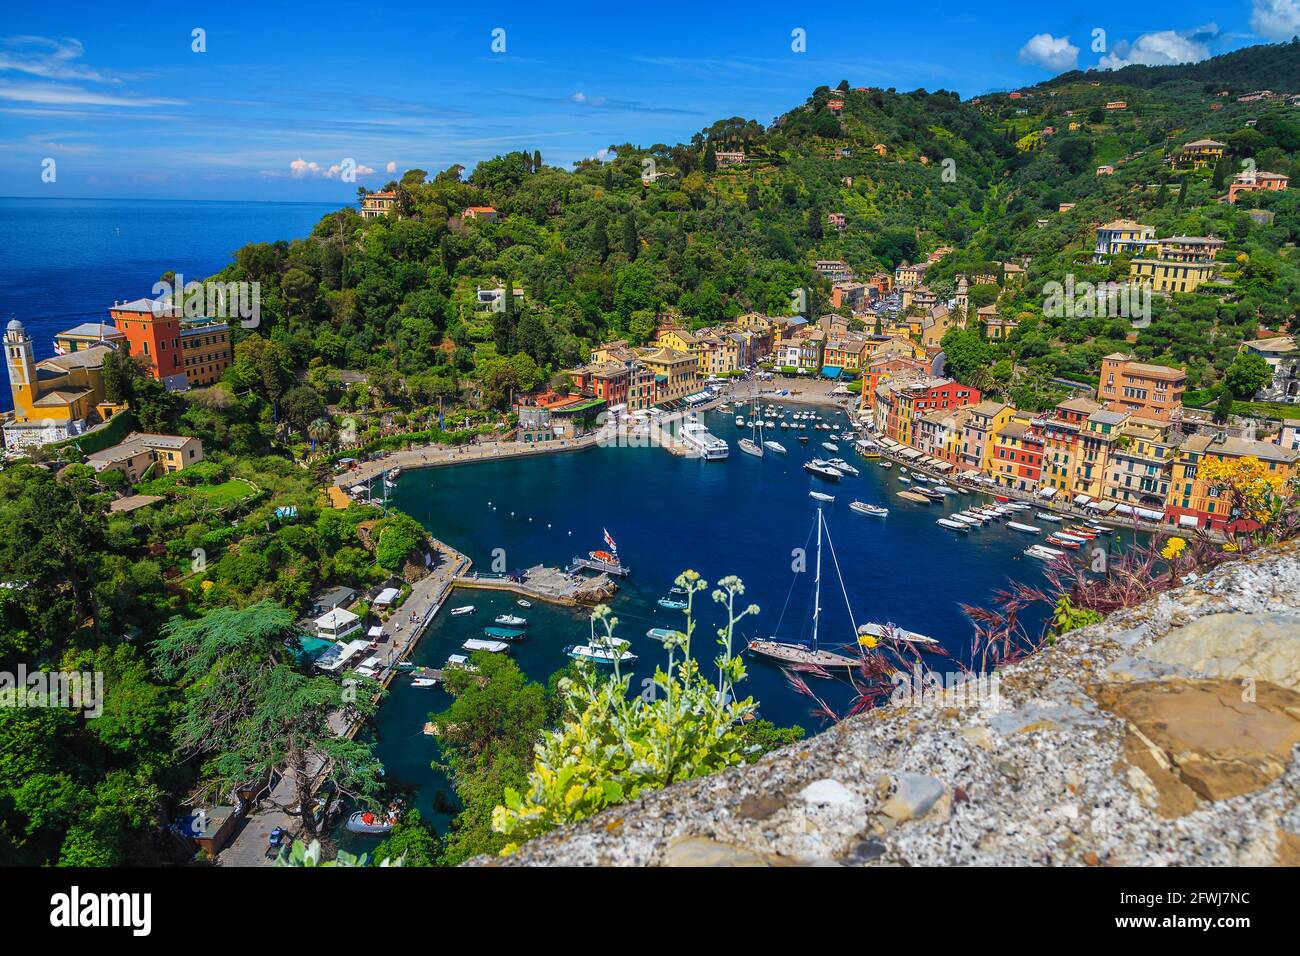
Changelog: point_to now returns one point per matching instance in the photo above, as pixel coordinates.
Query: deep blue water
(741, 516)
(67, 260)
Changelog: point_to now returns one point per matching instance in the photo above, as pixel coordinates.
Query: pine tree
(1182, 194)
(1220, 173)
(600, 240)
(815, 224)
(537, 160)
(710, 163)
(631, 242)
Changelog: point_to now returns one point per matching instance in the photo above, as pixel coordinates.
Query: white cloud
(61, 94)
(302, 169)
(391, 167)
(1162, 48)
(1276, 19)
(49, 58)
(1052, 53)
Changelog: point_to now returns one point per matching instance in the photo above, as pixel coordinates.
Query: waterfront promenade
(401, 632)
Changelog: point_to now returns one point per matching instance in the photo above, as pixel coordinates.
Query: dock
(594, 564)
(552, 585)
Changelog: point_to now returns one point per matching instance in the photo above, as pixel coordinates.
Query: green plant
(304, 854)
(612, 748)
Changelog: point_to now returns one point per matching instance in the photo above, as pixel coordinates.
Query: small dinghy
(363, 821)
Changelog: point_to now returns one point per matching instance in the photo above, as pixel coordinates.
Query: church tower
(963, 299)
(21, 363)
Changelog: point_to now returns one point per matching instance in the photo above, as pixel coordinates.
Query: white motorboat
(510, 620)
(492, 647)
(465, 609)
(1026, 528)
(1048, 516)
(522, 603)
(820, 496)
(699, 440)
(830, 446)
(861, 507)
(774, 446)
(839, 464)
(1044, 553)
(424, 682)
(888, 632)
(823, 469)
(954, 525)
(603, 651)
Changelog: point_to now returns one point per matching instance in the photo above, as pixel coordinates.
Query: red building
(153, 334)
(607, 380)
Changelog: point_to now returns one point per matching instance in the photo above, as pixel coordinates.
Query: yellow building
(985, 420)
(142, 454)
(1192, 502)
(676, 373)
(205, 350)
(53, 398)
(1201, 153)
(1166, 275)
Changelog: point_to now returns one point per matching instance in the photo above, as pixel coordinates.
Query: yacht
(861, 507)
(774, 446)
(830, 446)
(510, 620)
(602, 652)
(699, 440)
(823, 469)
(465, 609)
(841, 465)
(888, 632)
(1043, 553)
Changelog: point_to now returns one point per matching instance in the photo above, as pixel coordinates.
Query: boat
(803, 439)
(1099, 528)
(740, 422)
(904, 479)
(868, 450)
(1080, 532)
(424, 682)
(954, 525)
(603, 651)
(364, 821)
(913, 496)
(492, 647)
(787, 652)
(1070, 536)
(702, 442)
(839, 464)
(830, 446)
(775, 446)
(504, 633)
(464, 609)
(750, 447)
(923, 479)
(510, 620)
(885, 463)
(894, 634)
(1026, 528)
(823, 469)
(1043, 553)
(661, 633)
(1060, 542)
(929, 493)
(967, 519)
(945, 490)
(861, 507)
(607, 557)
(1048, 516)
(523, 603)
(671, 604)
(1002, 498)
(393, 474)
(820, 496)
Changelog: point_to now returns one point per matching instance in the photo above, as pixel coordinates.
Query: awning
(944, 466)
(831, 371)
(1187, 521)
(1047, 492)
(1103, 506)
(375, 632)
(1149, 515)
(387, 596)
(911, 453)
(1082, 499)
(1124, 509)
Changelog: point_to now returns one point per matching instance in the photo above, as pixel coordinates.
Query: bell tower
(21, 364)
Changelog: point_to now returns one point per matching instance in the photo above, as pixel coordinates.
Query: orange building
(1149, 391)
(153, 333)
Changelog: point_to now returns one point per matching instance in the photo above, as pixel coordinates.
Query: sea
(744, 516)
(67, 261)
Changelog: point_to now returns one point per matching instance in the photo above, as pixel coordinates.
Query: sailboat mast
(817, 581)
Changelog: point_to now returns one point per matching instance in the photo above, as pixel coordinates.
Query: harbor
(743, 515)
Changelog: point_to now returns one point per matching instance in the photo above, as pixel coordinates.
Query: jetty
(552, 585)
(595, 564)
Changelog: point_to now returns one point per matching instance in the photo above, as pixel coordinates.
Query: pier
(593, 564)
(552, 585)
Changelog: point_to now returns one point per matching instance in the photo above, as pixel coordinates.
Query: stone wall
(1164, 736)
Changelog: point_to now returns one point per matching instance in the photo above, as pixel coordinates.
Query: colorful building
(153, 332)
(141, 455)
(1123, 235)
(376, 204)
(1017, 461)
(1259, 181)
(1193, 503)
(53, 399)
(1149, 391)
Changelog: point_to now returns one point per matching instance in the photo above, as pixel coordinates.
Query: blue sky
(284, 93)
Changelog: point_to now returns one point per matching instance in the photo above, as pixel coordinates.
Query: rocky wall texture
(1165, 735)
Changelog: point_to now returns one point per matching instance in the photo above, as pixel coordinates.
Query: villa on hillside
(1283, 357)
(376, 204)
(143, 454)
(1256, 181)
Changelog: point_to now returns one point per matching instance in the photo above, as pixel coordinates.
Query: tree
(120, 373)
(253, 716)
(1223, 408)
(631, 243)
(710, 162)
(302, 406)
(1247, 374)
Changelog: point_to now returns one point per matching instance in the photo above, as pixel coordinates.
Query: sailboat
(787, 652)
(751, 446)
